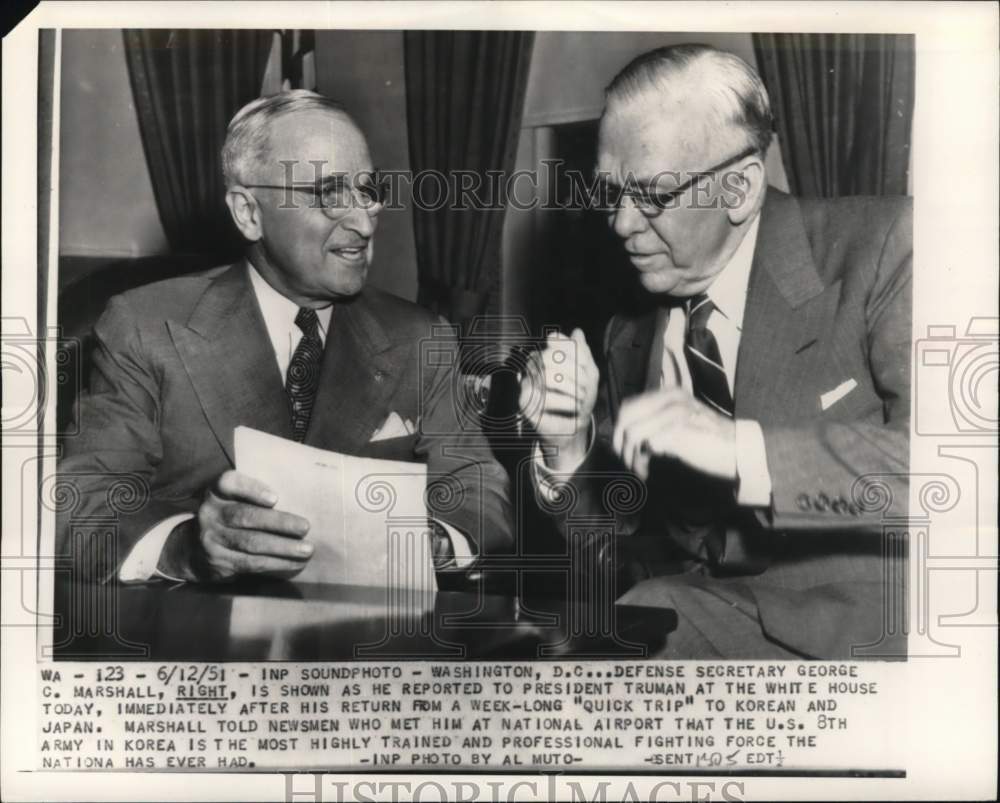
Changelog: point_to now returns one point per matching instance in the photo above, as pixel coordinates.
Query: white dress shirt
(279, 315)
(668, 367)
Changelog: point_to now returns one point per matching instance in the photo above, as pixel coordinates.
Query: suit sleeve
(466, 487)
(600, 487)
(107, 470)
(862, 465)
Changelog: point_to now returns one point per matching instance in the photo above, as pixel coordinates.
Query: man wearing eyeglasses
(764, 397)
(290, 341)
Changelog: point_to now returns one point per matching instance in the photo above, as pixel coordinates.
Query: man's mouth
(640, 260)
(351, 252)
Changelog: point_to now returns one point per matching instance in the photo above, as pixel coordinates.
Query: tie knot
(307, 321)
(700, 308)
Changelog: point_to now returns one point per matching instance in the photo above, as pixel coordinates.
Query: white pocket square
(394, 426)
(831, 397)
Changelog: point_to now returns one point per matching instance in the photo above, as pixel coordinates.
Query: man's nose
(628, 220)
(359, 221)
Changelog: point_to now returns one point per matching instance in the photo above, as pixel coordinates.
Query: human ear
(245, 213)
(742, 189)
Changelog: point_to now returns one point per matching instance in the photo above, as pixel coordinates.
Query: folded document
(367, 517)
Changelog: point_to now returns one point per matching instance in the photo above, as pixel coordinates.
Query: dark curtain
(298, 51)
(464, 98)
(187, 84)
(843, 109)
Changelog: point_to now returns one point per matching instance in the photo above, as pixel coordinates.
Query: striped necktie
(708, 377)
(709, 383)
(303, 372)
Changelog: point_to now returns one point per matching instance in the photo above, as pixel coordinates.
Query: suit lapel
(786, 322)
(230, 360)
(628, 357)
(357, 380)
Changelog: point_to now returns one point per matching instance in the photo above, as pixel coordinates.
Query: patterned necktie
(708, 380)
(708, 377)
(303, 372)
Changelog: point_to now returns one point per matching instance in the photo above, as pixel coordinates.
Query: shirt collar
(729, 290)
(279, 312)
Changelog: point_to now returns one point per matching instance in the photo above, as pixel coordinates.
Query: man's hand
(236, 532)
(558, 393)
(672, 423)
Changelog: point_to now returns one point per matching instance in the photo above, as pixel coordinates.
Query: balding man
(768, 387)
(290, 341)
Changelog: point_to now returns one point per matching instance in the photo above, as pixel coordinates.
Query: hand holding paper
(236, 531)
(367, 518)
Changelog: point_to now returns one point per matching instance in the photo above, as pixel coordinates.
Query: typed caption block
(461, 717)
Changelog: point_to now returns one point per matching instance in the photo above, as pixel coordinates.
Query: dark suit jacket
(829, 301)
(179, 364)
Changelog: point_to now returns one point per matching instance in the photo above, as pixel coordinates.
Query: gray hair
(247, 141)
(738, 94)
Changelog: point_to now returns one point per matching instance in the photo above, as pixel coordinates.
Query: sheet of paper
(368, 519)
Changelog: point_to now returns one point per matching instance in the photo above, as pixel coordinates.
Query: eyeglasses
(649, 201)
(335, 194)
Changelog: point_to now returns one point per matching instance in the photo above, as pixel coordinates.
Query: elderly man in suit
(768, 387)
(290, 341)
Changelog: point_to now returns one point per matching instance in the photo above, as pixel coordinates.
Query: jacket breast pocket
(859, 402)
(401, 448)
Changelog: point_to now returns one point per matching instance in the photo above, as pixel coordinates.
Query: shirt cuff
(753, 478)
(545, 477)
(464, 556)
(140, 565)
